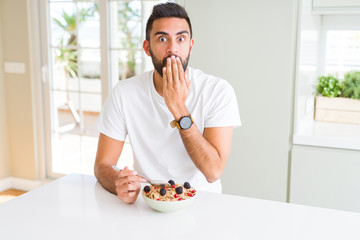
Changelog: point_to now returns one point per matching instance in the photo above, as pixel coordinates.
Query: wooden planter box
(340, 110)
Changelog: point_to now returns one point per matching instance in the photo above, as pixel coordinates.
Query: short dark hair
(164, 10)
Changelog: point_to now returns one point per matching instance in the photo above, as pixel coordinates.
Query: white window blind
(335, 7)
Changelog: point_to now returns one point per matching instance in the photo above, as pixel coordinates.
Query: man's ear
(191, 45)
(146, 47)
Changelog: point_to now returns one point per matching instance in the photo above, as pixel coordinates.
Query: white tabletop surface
(77, 207)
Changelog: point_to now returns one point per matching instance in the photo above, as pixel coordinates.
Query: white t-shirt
(135, 108)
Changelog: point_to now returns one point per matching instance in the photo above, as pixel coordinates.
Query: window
(342, 52)
(327, 44)
(88, 47)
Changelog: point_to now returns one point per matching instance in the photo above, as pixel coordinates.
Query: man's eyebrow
(161, 33)
(167, 34)
(182, 32)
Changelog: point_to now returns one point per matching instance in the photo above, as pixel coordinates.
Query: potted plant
(338, 102)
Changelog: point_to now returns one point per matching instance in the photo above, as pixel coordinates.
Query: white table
(77, 207)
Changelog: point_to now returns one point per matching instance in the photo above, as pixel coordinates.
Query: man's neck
(158, 83)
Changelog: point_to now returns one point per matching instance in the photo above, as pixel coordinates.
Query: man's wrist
(179, 114)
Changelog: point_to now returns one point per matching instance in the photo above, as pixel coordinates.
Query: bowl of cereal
(170, 197)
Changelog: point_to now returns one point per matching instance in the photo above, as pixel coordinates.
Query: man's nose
(172, 48)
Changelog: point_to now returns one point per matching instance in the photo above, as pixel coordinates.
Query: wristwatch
(184, 122)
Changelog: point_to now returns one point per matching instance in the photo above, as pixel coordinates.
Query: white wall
(18, 94)
(4, 154)
(251, 44)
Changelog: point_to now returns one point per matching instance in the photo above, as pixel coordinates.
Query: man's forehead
(171, 26)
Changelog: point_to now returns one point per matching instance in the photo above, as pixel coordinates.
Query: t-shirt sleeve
(111, 119)
(223, 110)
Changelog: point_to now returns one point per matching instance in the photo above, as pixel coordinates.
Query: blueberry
(179, 190)
(162, 191)
(147, 189)
(171, 182)
(187, 185)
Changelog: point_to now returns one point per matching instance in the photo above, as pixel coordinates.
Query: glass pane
(91, 106)
(89, 24)
(63, 23)
(88, 153)
(125, 64)
(125, 24)
(65, 69)
(342, 52)
(66, 112)
(89, 70)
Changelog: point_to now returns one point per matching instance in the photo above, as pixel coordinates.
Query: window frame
(41, 82)
(307, 131)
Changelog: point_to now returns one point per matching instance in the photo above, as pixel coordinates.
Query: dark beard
(158, 65)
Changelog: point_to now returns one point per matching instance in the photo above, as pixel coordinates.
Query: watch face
(185, 122)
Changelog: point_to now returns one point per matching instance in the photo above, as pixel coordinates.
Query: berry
(147, 189)
(155, 187)
(193, 191)
(158, 199)
(179, 190)
(171, 182)
(187, 185)
(173, 186)
(176, 196)
(179, 199)
(162, 191)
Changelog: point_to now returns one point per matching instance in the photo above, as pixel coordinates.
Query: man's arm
(108, 153)
(125, 184)
(209, 151)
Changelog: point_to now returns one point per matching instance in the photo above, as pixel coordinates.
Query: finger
(169, 72)
(129, 187)
(180, 69)
(126, 172)
(174, 70)
(164, 77)
(128, 194)
(131, 179)
(132, 187)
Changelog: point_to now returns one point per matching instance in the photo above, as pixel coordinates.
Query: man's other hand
(128, 185)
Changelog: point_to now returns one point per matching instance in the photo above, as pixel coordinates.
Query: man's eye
(181, 39)
(162, 39)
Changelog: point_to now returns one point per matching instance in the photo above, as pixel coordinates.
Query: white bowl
(168, 207)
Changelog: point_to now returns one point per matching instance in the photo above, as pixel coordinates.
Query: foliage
(66, 56)
(68, 60)
(350, 86)
(328, 86)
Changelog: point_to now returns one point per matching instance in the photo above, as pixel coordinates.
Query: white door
(87, 47)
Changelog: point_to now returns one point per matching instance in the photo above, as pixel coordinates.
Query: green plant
(328, 86)
(66, 55)
(350, 86)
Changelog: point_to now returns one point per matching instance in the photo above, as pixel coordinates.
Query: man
(179, 120)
